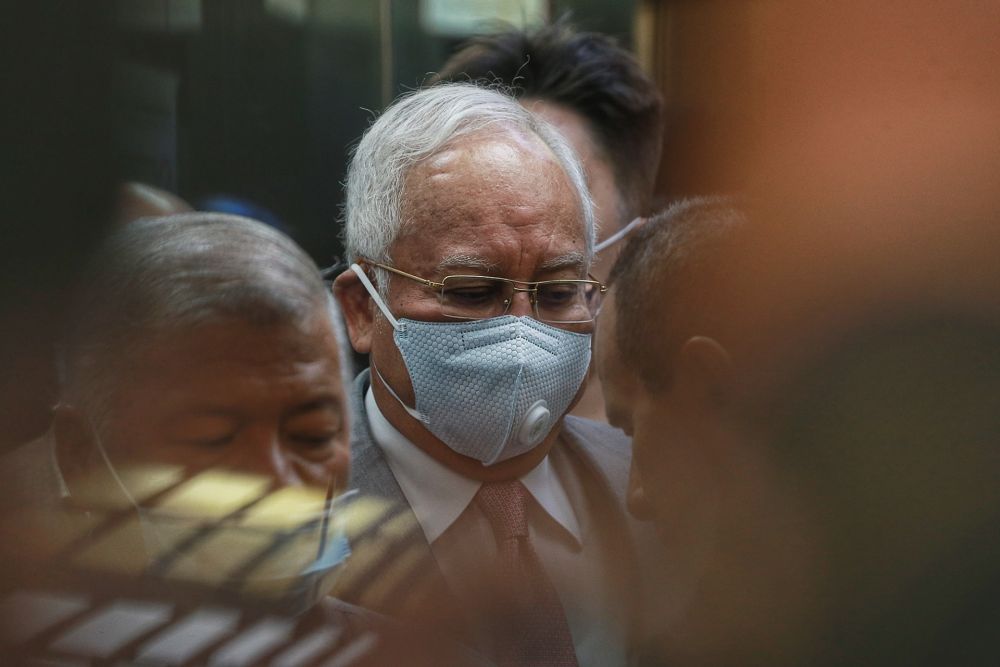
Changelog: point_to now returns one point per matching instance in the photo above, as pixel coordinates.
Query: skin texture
(501, 198)
(621, 391)
(608, 205)
(608, 212)
(265, 400)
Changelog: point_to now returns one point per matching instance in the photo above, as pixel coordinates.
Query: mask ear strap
(99, 445)
(619, 235)
(374, 295)
(410, 411)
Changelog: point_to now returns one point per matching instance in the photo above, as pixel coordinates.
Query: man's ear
(705, 369)
(356, 305)
(76, 448)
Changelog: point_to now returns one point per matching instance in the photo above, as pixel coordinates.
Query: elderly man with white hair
(471, 234)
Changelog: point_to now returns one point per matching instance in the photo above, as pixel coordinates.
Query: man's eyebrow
(571, 260)
(453, 262)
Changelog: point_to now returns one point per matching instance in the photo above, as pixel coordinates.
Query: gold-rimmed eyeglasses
(467, 297)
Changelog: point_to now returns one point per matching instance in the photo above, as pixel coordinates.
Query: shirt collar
(438, 495)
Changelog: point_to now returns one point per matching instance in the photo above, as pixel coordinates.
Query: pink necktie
(534, 631)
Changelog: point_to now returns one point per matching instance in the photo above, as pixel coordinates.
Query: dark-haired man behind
(597, 95)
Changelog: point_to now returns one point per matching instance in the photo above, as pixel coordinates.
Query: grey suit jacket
(600, 457)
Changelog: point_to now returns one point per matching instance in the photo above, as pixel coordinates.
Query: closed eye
(314, 441)
(554, 296)
(472, 295)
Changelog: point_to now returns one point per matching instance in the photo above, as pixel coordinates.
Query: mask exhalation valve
(535, 424)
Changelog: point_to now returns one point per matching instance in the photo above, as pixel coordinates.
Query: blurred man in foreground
(202, 444)
(665, 373)
(815, 447)
(471, 232)
(609, 110)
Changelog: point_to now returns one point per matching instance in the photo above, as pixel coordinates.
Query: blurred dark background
(262, 99)
(251, 106)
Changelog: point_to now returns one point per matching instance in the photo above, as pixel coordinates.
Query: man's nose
(521, 304)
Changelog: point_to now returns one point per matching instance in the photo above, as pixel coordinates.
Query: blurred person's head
(140, 200)
(730, 532)
(860, 313)
(814, 419)
(663, 368)
(203, 340)
(659, 341)
(460, 180)
(595, 93)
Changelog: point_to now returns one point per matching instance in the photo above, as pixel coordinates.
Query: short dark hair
(160, 275)
(661, 280)
(588, 73)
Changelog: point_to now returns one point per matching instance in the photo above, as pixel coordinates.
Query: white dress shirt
(462, 541)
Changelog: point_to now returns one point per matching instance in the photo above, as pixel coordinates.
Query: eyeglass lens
(480, 297)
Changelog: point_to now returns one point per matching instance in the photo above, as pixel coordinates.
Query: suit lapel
(370, 472)
(392, 569)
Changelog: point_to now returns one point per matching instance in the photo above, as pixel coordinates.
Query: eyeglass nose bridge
(532, 296)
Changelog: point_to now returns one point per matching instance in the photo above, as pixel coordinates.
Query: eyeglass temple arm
(392, 269)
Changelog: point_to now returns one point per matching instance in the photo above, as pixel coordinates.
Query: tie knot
(505, 504)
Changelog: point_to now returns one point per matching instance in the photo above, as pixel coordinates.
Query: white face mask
(278, 547)
(489, 389)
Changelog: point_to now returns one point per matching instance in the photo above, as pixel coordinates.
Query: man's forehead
(499, 151)
(505, 140)
(488, 204)
(568, 261)
(224, 364)
(236, 342)
(614, 372)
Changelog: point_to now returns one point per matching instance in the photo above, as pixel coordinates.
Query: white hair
(419, 125)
